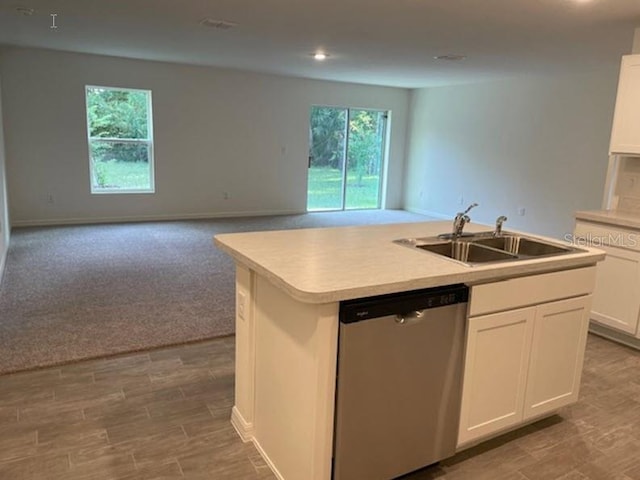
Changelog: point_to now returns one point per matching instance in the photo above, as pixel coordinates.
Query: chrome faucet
(499, 221)
(458, 224)
(461, 220)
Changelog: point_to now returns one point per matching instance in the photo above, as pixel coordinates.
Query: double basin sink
(485, 247)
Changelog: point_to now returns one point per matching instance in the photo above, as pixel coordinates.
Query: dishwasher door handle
(411, 317)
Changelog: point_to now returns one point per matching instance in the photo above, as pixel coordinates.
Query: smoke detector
(219, 24)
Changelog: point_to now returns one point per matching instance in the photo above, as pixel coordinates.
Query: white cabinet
(616, 303)
(521, 364)
(625, 134)
(557, 353)
(496, 362)
(524, 363)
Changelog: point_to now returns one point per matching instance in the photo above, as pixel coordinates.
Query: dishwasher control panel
(405, 302)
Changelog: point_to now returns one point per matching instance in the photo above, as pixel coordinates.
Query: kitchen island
(526, 332)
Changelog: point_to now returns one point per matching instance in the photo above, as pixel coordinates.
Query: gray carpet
(75, 292)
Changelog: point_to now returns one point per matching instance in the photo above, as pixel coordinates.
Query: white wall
(5, 227)
(215, 131)
(537, 143)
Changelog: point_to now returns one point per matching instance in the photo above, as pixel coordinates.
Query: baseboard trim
(428, 213)
(245, 429)
(267, 460)
(149, 218)
(3, 263)
(614, 335)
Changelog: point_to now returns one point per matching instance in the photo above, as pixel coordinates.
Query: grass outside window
(325, 187)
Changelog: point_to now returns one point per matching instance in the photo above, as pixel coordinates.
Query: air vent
(219, 24)
(451, 57)
(27, 12)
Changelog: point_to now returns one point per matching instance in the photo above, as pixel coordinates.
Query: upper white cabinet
(625, 134)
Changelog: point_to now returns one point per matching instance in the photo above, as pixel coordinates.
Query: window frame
(148, 142)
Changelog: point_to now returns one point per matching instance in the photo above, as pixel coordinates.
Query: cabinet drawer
(531, 290)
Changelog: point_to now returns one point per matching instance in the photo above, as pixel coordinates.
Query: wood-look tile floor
(165, 414)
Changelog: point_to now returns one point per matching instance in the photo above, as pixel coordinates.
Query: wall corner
(5, 227)
(636, 41)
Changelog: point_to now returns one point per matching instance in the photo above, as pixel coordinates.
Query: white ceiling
(383, 42)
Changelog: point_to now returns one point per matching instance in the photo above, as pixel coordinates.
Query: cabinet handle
(411, 317)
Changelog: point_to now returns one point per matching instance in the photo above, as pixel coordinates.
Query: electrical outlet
(226, 195)
(240, 306)
(521, 211)
(50, 198)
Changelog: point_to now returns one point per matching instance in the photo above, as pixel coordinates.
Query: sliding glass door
(346, 156)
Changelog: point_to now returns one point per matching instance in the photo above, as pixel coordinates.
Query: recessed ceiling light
(27, 12)
(451, 57)
(320, 56)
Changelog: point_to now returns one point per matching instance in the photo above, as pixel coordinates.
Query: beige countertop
(322, 265)
(610, 217)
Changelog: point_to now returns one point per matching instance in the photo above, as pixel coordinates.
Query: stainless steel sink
(467, 252)
(449, 236)
(483, 247)
(523, 246)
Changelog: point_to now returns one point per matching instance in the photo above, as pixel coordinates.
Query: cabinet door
(557, 353)
(616, 302)
(625, 134)
(497, 357)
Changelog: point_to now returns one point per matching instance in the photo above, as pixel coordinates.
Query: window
(120, 134)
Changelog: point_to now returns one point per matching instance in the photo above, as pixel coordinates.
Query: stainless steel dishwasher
(399, 382)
